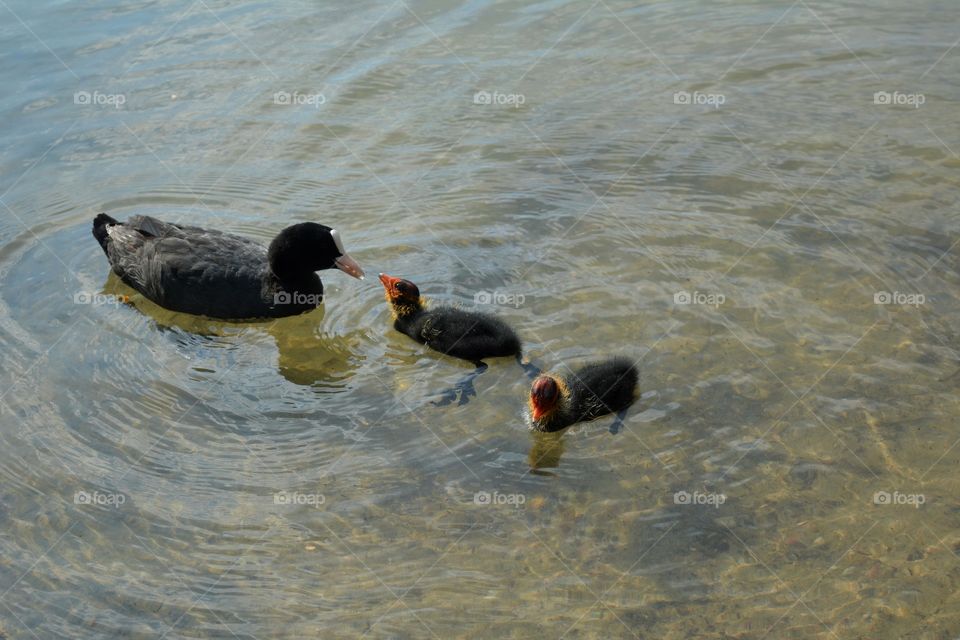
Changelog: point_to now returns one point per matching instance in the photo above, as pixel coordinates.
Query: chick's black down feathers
(463, 334)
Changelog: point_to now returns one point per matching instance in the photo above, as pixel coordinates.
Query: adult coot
(221, 275)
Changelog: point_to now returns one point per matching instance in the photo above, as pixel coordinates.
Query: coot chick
(597, 389)
(221, 275)
(468, 335)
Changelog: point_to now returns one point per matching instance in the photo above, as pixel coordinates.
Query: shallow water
(766, 484)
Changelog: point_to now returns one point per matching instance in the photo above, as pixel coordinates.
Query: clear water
(587, 198)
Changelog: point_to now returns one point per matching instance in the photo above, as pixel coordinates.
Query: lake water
(755, 200)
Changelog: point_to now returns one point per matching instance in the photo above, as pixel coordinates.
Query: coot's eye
(399, 287)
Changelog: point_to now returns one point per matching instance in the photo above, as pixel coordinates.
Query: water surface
(591, 165)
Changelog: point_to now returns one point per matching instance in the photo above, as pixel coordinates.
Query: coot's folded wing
(189, 268)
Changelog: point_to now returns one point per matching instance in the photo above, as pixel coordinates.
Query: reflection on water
(780, 263)
(545, 451)
(305, 356)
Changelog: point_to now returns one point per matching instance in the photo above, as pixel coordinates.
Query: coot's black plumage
(221, 275)
(597, 389)
(460, 333)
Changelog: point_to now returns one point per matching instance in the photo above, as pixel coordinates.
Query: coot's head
(544, 396)
(402, 294)
(307, 247)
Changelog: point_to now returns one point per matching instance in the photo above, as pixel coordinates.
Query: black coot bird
(221, 275)
(595, 390)
(468, 335)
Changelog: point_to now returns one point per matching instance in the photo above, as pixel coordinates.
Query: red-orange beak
(538, 406)
(388, 281)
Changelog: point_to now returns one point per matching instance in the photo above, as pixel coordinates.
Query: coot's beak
(536, 412)
(349, 266)
(387, 281)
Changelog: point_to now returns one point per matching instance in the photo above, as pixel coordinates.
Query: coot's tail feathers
(100, 224)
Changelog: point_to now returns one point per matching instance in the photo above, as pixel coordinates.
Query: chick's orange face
(399, 290)
(543, 396)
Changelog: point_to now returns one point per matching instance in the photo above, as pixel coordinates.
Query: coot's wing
(127, 249)
(218, 275)
(431, 329)
(190, 269)
(150, 226)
